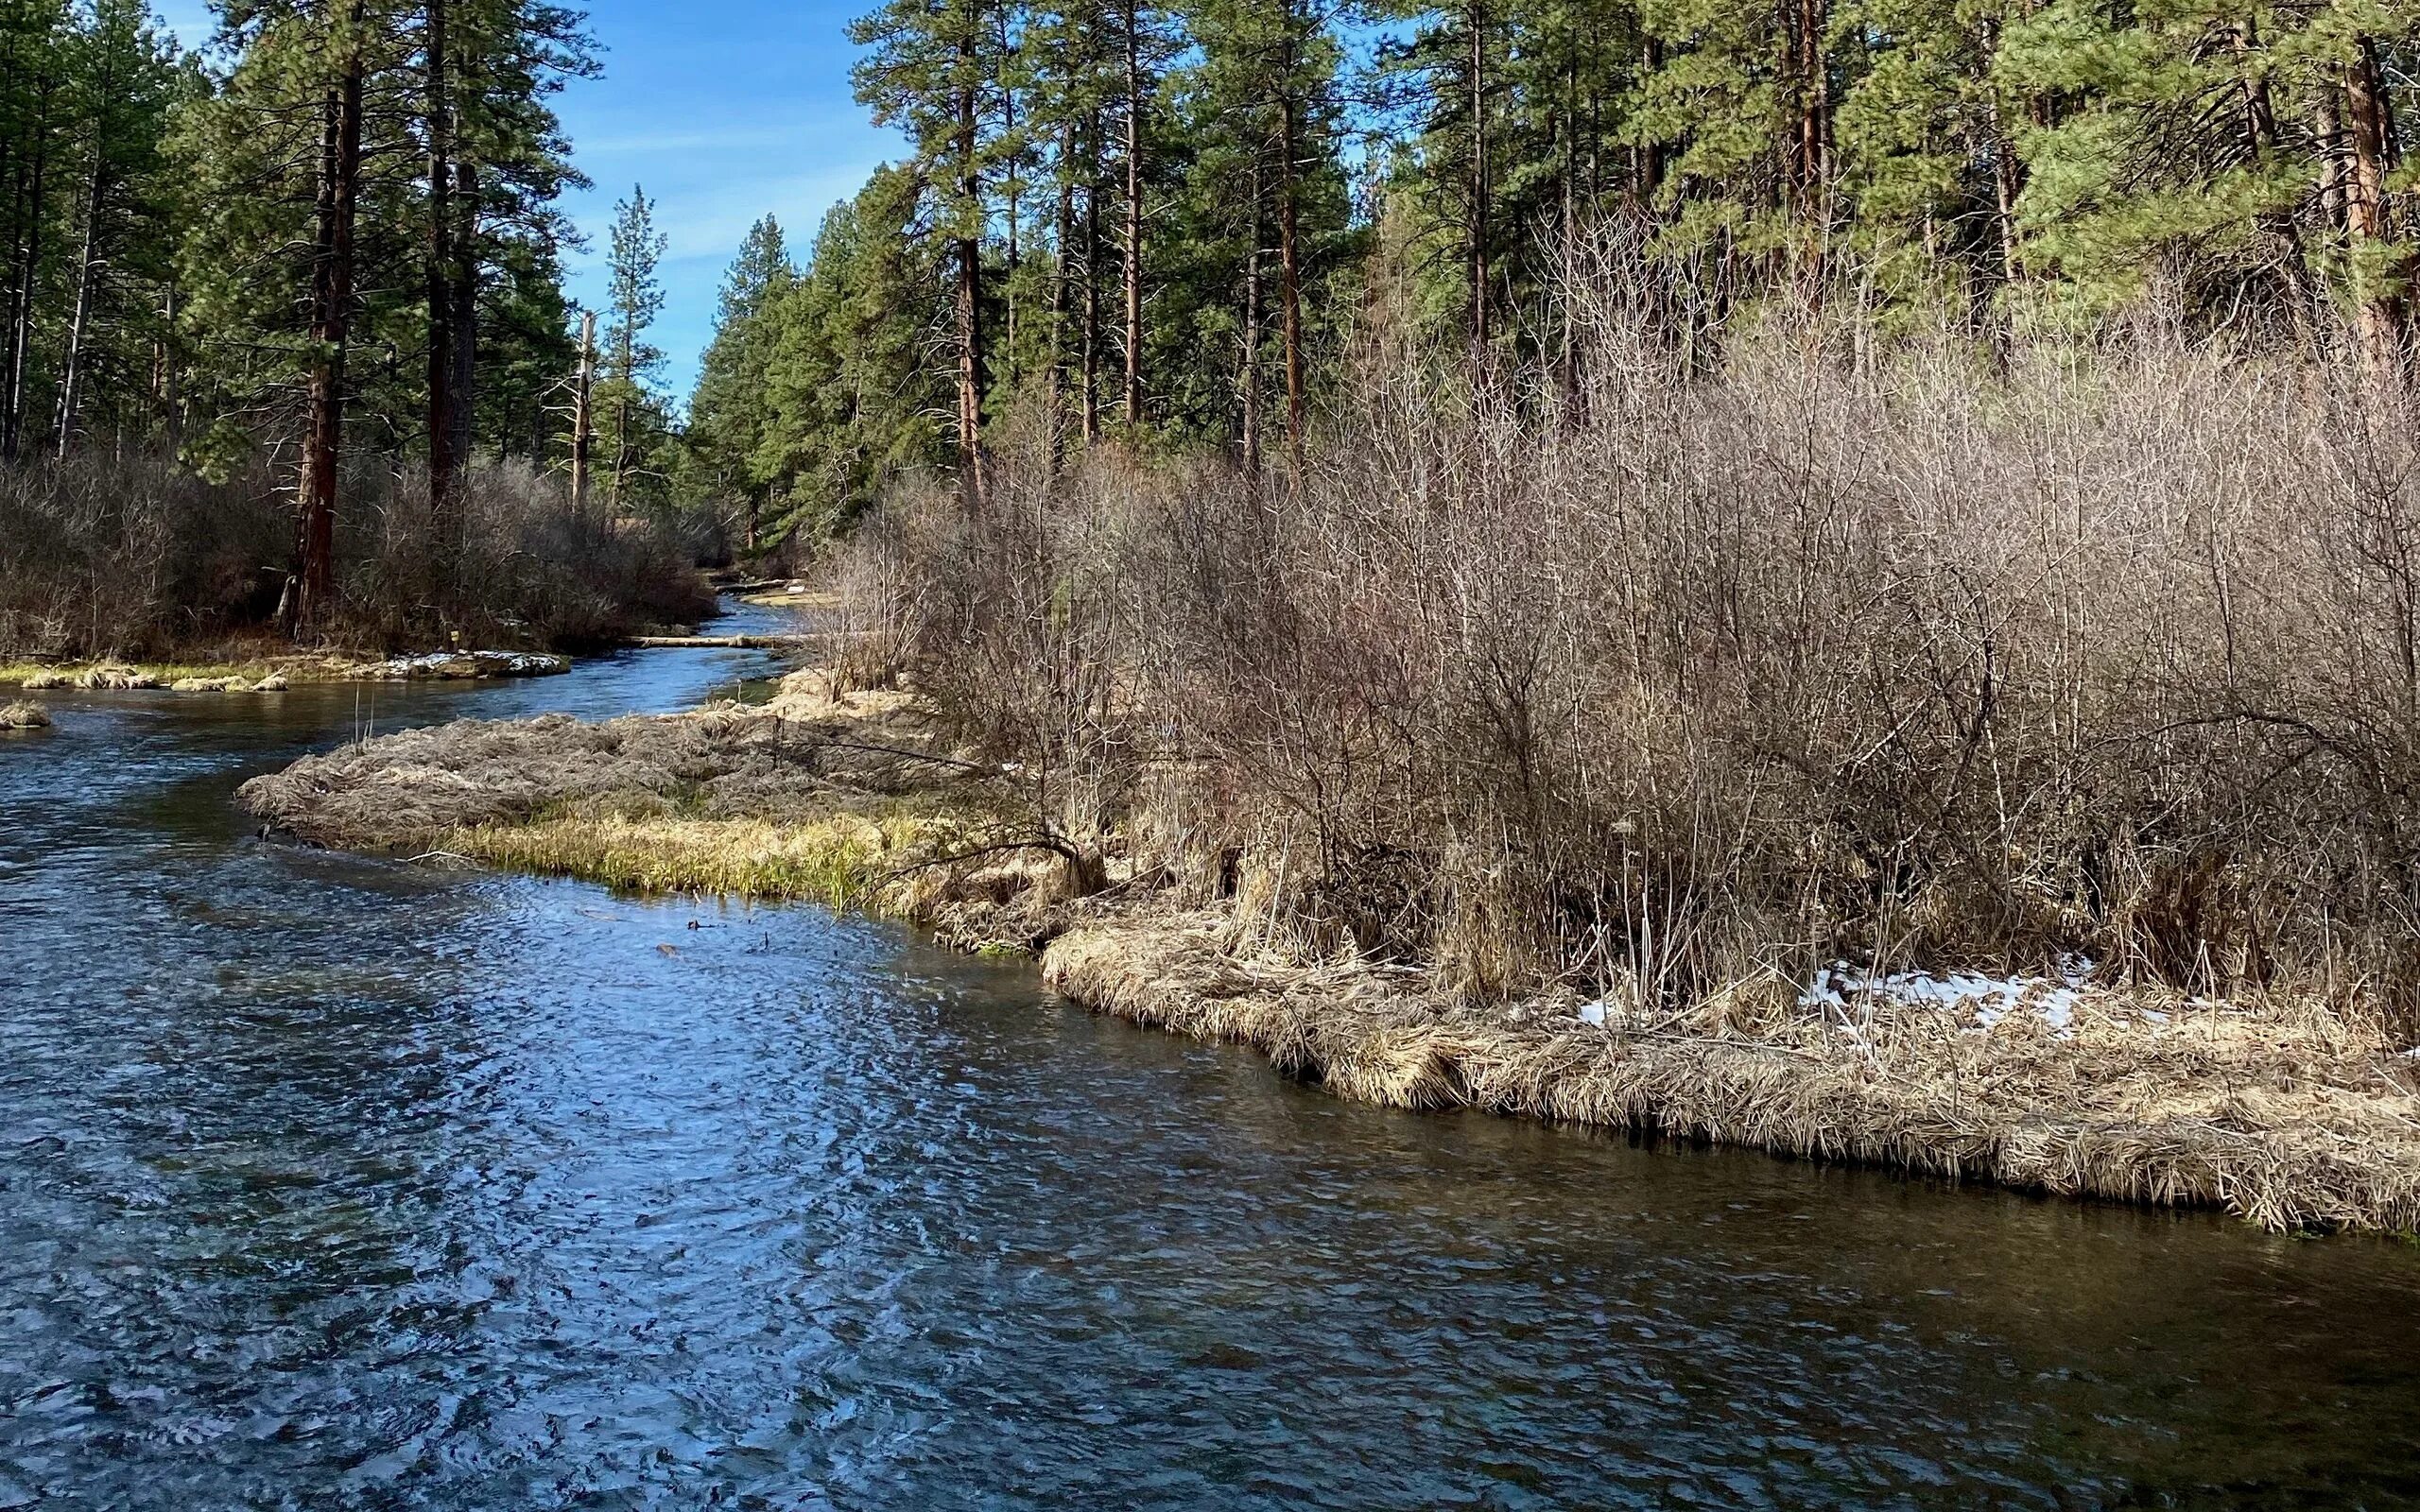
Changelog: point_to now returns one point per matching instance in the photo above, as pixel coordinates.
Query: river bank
(2279, 1111)
(241, 671)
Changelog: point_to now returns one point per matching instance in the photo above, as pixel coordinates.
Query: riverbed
(330, 1181)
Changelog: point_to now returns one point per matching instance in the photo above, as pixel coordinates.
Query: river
(329, 1181)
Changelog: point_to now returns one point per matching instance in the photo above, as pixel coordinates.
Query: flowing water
(334, 1183)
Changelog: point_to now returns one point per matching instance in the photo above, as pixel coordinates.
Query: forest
(326, 256)
(288, 345)
(1665, 493)
(1166, 227)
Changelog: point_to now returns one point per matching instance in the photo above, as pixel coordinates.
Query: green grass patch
(843, 860)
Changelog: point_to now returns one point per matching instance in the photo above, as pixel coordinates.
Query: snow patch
(1844, 990)
(466, 665)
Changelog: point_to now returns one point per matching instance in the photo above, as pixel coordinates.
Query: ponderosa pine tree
(496, 161)
(860, 365)
(634, 297)
(127, 80)
(932, 71)
(300, 187)
(1267, 195)
(730, 411)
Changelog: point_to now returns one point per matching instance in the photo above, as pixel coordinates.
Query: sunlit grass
(38, 676)
(845, 860)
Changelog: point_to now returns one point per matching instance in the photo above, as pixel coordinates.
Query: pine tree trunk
(1567, 352)
(2330, 134)
(330, 324)
(21, 324)
(2379, 315)
(462, 341)
(1092, 287)
(1055, 380)
(1481, 190)
(1813, 135)
(1248, 362)
(583, 424)
(167, 386)
(970, 292)
(1012, 188)
(1290, 273)
(87, 265)
(1648, 167)
(1133, 221)
(443, 462)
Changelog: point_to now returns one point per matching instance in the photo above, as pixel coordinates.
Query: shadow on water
(329, 1182)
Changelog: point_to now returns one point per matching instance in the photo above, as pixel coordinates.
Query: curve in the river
(329, 1182)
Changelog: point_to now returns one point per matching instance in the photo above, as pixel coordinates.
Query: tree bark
(1289, 261)
(1092, 286)
(1013, 192)
(166, 385)
(1812, 139)
(1055, 380)
(21, 323)
(1134, 218)
(87, 266)
(2378, 314)
(331, 271)
(1481, 190)
(1648, 167)
(970, 287)
(442, 459)
(463, 342)
(1248, 364)
(583, 420)
(2331, 132)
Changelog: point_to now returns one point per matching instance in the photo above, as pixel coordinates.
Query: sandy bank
(2275, 1112)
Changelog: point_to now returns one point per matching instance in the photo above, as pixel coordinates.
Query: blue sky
(725, 110)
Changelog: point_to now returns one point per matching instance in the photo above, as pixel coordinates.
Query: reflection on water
(326, 1181)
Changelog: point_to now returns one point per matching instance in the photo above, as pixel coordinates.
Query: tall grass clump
(1683, 663)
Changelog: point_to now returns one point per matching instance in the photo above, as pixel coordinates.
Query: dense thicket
(1153, 223)
(1679, 686)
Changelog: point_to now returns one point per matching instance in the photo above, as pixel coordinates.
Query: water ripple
(325, 1182)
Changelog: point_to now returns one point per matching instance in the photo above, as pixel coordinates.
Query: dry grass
(801, 756)
(23, 716)
(2284, 1118)
(256, 673)
(846, 798)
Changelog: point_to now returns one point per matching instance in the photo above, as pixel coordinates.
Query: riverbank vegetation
(1668, 510)
(2277, 1107)
(1678, 684)
(286, 346)
(1583, 562)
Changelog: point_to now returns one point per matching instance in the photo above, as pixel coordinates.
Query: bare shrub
(134, 555)
(1677, 678)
